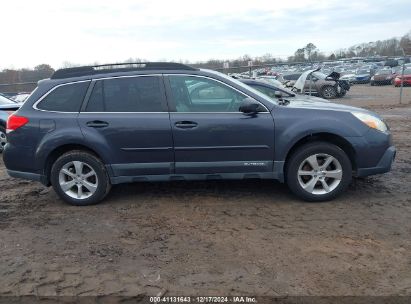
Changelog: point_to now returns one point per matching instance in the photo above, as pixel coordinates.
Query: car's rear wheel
(329, 92)
(80, 178)
(3, 139)
(318, 171)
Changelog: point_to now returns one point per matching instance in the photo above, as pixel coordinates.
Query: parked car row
(352, 72)
(311, 82)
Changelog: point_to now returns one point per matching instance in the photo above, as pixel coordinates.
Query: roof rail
(118, 67)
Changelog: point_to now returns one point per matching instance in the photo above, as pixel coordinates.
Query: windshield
(243, 85)
(4, 100)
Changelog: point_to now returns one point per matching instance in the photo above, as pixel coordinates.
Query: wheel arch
(337, 140)
(60, 150)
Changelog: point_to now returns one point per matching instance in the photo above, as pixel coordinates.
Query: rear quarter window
(66, 98)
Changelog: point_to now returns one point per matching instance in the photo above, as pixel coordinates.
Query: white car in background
(20, 97)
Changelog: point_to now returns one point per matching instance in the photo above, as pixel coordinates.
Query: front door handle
(97, 124)
(186, 124)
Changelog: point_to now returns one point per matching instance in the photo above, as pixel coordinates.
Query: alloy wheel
(78, 180)
(320, 174)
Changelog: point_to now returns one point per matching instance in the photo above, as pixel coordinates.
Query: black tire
(342, 93)
(328, 92)
(372, 83)
(3, 138)
(102, 180)
(320, 148)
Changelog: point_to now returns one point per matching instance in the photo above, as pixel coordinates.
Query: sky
(99, 31)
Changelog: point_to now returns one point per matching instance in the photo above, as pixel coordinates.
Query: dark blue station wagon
(88, 128)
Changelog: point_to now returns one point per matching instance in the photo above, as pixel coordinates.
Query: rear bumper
(383, 166)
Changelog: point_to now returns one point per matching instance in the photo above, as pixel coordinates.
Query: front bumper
(383, 166)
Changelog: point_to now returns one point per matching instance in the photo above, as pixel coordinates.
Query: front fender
(293, 126)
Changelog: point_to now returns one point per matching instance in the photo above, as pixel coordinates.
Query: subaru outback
(87, 128)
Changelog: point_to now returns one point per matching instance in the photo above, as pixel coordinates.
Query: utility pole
(402, 75)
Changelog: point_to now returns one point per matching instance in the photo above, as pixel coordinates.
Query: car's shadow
(187, 190)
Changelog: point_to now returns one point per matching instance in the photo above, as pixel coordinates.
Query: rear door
(127, 117)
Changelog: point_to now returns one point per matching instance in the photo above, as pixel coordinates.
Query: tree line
(308, 53)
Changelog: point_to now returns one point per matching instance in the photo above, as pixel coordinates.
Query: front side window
(127, 94)
(198, 94)
(66, 98)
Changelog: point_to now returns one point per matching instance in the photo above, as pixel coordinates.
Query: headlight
(372, 78)
(371, 121)
(388, 77)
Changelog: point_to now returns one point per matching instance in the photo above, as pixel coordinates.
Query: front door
(211, 135)
(127, 118)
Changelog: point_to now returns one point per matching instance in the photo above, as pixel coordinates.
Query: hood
(301, 98)
(300, 83)
(383, 76)
(362, 75)
(347, 76)
(320, 105)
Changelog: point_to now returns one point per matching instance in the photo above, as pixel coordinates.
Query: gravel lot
(216, 238)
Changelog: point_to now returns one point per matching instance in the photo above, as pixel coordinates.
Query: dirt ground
(216, 238)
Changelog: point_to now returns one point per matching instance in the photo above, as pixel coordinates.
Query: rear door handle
(97, 124)
(186, 124)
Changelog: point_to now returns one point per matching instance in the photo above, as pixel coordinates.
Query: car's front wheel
(80, 178)
(3, 139)
(318, 171)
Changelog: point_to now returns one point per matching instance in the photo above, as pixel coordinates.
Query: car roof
(113, 68)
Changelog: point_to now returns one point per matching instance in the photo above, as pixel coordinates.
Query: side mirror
(278, 94)
(249, 106)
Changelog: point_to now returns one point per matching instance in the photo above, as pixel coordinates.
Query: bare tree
(309, 49)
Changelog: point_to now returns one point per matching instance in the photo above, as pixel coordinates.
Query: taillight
(14, 122)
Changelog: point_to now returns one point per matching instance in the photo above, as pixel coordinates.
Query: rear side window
(66, 98)
(127, 94)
